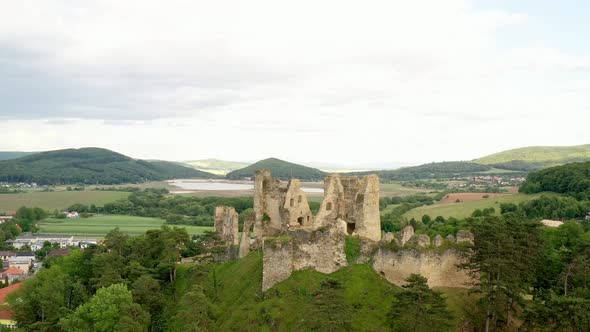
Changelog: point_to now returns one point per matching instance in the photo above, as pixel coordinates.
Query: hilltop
(90, 166)
(216, 166)
(536, 157)
(280, 169)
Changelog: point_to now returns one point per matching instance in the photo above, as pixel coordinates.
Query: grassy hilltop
(536, 157)
(280, 169)
(90, 166)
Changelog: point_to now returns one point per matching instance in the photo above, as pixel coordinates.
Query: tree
(331, 312)
(506, 254)
(419, 308)
(110, 309)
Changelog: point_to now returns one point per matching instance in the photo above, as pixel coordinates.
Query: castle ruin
(293, 238)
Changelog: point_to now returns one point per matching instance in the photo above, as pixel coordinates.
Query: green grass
(102, 224)
(559, 154)
(58, 199)
(464, 209)
(462, 305)
(234, 289)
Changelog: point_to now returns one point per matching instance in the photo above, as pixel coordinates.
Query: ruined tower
(226, 224)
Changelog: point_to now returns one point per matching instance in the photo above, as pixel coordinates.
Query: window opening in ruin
(299, 199)
(329, 206)
(307, 218)
(300, 221)
(292, 202)
(350, 228)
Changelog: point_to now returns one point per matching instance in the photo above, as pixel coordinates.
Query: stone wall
(321, 250)
(440, 268)
(226, 225)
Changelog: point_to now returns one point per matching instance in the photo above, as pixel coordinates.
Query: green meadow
(465, 209)
(58, 199)
(102, 224)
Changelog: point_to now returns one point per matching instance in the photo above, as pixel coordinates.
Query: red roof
(14, 271)
(11, 213)
(7, 290)
(20, 229)
(6, 314)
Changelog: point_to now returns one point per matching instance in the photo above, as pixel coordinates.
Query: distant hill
(280, 169)
(90, 166)
(442, 170)
(536, 157)
(216, 166)
(6, 155)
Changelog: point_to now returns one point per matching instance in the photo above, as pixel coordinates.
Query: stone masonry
(226, 224)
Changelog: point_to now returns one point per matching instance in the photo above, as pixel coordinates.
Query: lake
(223, 185)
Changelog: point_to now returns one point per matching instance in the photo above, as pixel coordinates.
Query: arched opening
(329, 206)
(300, 221)
(350, 228)
(308, 219)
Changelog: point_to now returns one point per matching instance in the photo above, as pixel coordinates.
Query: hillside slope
(216, 166)
(440, 170)
(280, 170)
(536, 157)
(90, 166)
(307, 301)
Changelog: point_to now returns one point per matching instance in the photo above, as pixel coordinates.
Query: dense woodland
(90, 166)
(571, 179)
(280, 169)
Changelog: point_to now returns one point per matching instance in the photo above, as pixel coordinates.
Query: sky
(334, 82)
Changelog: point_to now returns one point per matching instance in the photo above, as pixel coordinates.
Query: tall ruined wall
(368, 216)
(226, 224)
(269, 197)
(353, 200)
(296, 208)
(321, 250)
(440, 268)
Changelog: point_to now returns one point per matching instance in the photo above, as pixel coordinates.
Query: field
(396, 189)
(464, 209)
(467, 197)
(58, 199)
(102, 224)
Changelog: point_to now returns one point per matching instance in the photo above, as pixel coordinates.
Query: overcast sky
(341, 82)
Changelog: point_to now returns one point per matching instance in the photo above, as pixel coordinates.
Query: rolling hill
(442, 170)
(216, 166)
(90, 166)
(536, 157)
(280, 169)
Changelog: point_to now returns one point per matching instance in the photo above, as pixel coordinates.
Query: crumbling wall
(296, 208)
(269, 197)
(414, 253)
(368, 216)
(440, 268)
(226, 224)
(277, 260)
(245, 240)
(321, 250)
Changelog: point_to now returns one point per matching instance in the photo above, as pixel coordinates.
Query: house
(5, 218)
(58, 252)
(6, 315)
(25, 255)
(36, 242)
(72, 214)
(21, 264)
(4, 255)
(13, 273)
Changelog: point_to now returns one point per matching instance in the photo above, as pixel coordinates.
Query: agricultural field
(396, 189)
(464, 209)
(58, 199)
(102, 224)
